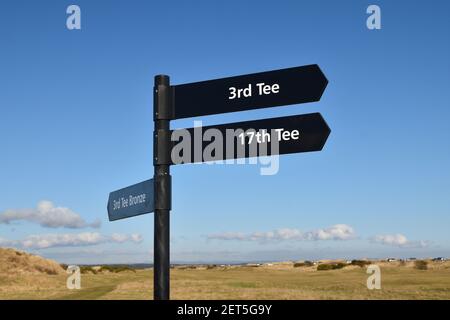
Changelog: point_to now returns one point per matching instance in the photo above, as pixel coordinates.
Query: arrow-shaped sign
(131, 201)
(292, 134)
(251, 91)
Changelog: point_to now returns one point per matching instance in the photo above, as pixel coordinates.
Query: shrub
(51, 272)
(360, 263)
(106, 268)
(303, 264)
(118, 269)
(186, 267)
(421, 265)
(330, 266)
(87, 269)
(324, 266)
(46, 270)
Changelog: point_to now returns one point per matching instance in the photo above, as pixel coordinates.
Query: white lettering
(263, 89)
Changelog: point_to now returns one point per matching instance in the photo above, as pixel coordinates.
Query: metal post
(163, 112)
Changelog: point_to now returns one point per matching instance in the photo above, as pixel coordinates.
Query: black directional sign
(131, 201)
(251, 91)
(284, 135)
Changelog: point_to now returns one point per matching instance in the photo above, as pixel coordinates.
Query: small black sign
(284, 135)
(251, 91)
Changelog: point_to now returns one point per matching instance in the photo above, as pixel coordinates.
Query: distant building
(440, 259)
(253, 264)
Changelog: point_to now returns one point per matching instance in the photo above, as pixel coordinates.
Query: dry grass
(241, 283)
(14, 262)
(23, 274)
(277, 281)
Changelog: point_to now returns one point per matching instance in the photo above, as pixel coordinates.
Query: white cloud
(47, 215)
(119, 237)
(391, 239)
(228, 236)
(96, 255)
(136, 237)
(62, 240)
(336, 232)
(44, 241)
(399, 240)
(6, 243)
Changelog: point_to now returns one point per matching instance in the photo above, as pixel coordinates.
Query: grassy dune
(278, 282)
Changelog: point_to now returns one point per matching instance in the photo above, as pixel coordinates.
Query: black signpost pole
(163, 113)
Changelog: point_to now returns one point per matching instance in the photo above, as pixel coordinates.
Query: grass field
(282, 282)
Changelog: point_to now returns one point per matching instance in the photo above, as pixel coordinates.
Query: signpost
(284, 135)
(131, 201)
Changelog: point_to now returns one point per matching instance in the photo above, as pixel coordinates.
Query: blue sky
(76, 124)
